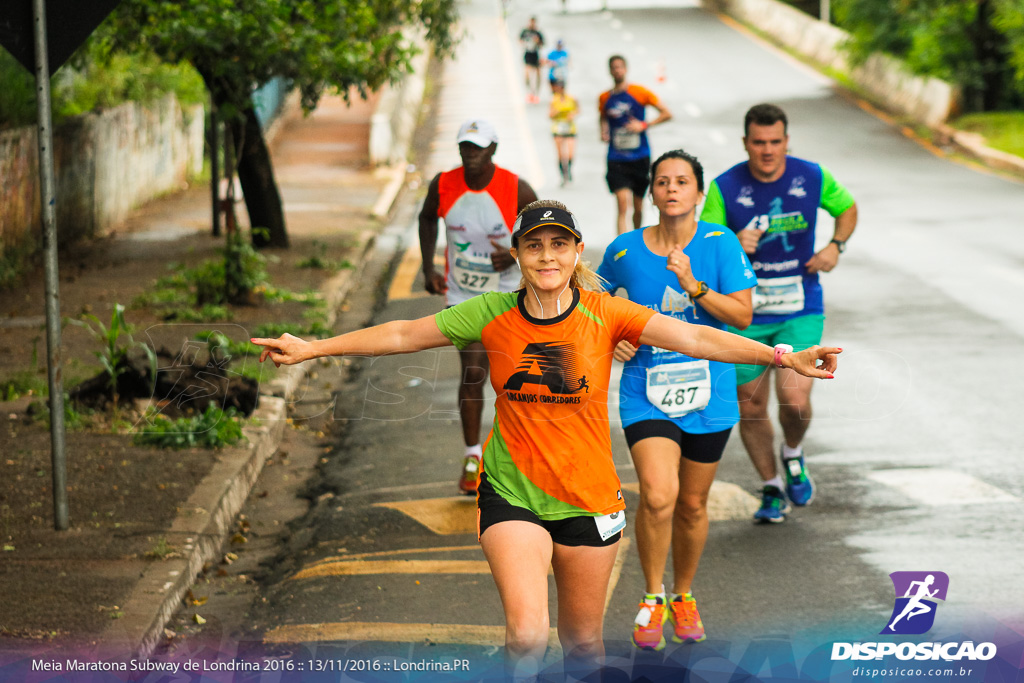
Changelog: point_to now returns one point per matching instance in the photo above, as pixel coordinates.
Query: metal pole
(49, 203)
(214, 167)
(824, 11)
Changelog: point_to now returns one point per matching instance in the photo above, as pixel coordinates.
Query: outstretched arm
(398, 336)
(701, 341)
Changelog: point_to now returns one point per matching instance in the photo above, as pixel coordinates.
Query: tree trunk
(256, 174)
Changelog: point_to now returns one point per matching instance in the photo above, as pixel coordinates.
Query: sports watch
(841, 244)
(702, 289)
(780, 350)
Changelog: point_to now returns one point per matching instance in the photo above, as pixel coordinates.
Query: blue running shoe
(799, 486)
(774, 507)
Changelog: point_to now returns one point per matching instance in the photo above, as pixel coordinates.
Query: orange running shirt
(550, 449)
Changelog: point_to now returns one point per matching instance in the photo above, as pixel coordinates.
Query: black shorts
(706, 448)
(531, 58)
(632, 174)
(573, 531)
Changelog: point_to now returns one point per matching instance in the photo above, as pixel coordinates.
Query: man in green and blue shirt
(771, 202)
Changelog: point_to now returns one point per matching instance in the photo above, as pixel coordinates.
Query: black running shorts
(574, 531)
(706, 448)
(634, 175)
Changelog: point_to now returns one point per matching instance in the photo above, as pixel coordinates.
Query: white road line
(942, 487)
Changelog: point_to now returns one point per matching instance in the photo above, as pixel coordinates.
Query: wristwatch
(780, 350)
(702, 289)
(841, 244)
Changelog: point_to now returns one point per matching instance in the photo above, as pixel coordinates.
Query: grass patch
(23, 383)
(1003, 130)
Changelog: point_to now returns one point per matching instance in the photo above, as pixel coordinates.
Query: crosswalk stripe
(726, 502)
(941, 487)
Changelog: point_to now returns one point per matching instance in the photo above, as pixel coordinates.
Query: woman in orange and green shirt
(549, 496)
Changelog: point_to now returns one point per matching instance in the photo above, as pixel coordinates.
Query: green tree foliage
(317, 44)
(976, 44)
(94, 79)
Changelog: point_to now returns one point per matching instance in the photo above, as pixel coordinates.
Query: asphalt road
(915, 447)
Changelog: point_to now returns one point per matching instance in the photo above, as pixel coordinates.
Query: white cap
(479, 132)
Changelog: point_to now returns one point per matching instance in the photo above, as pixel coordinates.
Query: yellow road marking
(357, 568)
(405, 275)
(726, 502)
(443, 516)
(461, 634)
(613, 581)
(403, 551)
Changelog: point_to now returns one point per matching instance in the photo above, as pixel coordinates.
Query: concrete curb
(973, 145)
(207, 518)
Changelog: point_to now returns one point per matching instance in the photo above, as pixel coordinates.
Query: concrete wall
(926, 100)
(106, 165)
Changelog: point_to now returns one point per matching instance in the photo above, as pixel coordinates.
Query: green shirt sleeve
(834, 197)
(464, 323)
(714, 206)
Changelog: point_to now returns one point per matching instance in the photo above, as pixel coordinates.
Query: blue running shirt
(788, 210)
(716, 258)
(620, 107)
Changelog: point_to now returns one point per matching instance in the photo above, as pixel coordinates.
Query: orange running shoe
(683, 614)
(470, 478)
(647, 627)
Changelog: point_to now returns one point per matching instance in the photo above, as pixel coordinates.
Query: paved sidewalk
(92, 589)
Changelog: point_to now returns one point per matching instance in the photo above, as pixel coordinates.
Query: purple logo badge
(916, 593)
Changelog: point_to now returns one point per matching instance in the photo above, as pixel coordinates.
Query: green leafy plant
(213, 428)
(113, 354)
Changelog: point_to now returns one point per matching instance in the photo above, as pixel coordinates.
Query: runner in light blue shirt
(677, 411)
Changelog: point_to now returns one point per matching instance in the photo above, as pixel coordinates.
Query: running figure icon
(915, 605)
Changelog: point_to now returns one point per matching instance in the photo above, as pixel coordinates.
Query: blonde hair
(583, 276)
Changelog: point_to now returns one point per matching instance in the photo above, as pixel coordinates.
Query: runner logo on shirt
(552, 365)
(796, 189)
(746, 197)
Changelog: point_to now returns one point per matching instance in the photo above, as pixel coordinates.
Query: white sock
(788, 452)
(775, 481)
(476, 450)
